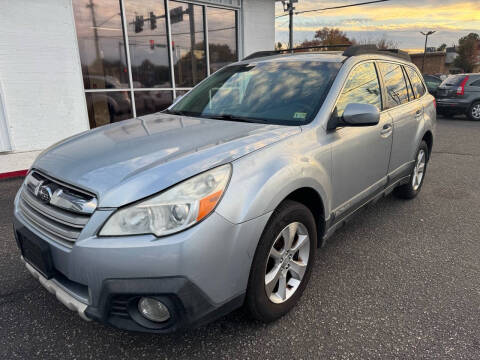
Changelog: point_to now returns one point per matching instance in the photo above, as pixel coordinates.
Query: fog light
(153, 309)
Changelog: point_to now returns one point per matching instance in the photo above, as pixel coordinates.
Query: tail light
(461, 88)
(435, 103)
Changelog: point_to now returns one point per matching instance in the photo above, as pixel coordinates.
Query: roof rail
(352, 50)
(355, 50)
(294, 50)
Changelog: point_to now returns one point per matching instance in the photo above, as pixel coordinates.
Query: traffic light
(153, 21)
(176, 15)
(139, 22)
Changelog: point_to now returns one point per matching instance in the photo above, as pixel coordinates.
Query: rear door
(406, 111)
(360, 154)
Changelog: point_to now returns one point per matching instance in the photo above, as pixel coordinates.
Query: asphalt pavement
(402, 280)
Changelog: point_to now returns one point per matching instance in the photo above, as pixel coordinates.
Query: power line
(334, 7)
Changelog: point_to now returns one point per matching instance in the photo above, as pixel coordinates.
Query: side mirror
(361, 115)
(355, 115)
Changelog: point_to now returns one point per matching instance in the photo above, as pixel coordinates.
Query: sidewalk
(17, 163)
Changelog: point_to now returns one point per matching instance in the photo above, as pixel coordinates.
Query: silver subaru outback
(173, 219)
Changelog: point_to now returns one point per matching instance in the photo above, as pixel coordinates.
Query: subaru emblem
(45, 194)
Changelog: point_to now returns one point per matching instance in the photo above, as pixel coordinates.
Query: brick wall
(434, 63)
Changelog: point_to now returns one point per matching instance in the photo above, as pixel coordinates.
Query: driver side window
(362, 87)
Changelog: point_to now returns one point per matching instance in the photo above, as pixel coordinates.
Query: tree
(468, 48)
(442, 47)
(382, 43)
(279, 46)
(328, 36)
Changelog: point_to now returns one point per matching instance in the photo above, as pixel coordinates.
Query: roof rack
(351, 50)
(355, 50)
(294, 50)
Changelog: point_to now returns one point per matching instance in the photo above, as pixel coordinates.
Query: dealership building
(67, 66)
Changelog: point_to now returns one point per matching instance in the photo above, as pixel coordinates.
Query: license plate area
(36, 252)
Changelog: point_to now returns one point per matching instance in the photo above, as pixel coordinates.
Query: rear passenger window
(396, 87)
(417, 83)
(362, 88)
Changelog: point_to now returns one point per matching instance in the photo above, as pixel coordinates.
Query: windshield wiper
(179, 112)
(231, 117)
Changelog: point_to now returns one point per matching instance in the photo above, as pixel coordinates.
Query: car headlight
(173, 210)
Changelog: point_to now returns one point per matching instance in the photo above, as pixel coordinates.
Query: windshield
(288, 93)
(453, 80)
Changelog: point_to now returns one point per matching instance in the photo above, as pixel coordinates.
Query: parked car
(432, 82)
(460, 94)
(223, 199)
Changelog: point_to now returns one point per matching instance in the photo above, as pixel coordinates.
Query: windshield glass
(288, 93)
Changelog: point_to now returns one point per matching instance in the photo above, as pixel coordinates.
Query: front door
(360, 155)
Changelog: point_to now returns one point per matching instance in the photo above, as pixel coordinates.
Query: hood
(127, 161)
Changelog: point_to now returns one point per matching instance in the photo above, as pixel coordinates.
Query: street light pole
(427, 34)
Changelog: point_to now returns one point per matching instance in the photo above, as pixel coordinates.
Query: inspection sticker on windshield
(299, 115)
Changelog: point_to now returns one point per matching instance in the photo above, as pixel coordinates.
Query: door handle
(386, 130)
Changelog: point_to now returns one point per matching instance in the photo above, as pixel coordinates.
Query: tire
(474, 111)
(267, 308)
(414, 185)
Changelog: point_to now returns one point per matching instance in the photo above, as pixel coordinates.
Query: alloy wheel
(287, 262)
(476, 112)
(419, 169)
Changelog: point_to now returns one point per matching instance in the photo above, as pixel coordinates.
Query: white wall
(258, 22)
(40, 73)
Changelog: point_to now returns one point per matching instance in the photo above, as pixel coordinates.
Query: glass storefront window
(108, 107)
(222, 37)
(101, 43)
(188, 42)
(112, 92)
(147, 102)
(148, 45)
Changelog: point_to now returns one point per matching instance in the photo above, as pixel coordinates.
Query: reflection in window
(222, 37)
(275, 92)
(395, 84)
(108, 107)
(188, 41)
(362, 88)
(417, 84)
(147, 37)
(147, 102)
(101, 43)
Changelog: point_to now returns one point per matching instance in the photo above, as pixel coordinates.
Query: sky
(397, 20)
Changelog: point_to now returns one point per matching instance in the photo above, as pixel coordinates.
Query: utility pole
(288, 7)
(90, 5)
(427, 34)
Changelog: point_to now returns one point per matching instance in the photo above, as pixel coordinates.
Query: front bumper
(200, 273)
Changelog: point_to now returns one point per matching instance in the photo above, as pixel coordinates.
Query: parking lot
(402, 280)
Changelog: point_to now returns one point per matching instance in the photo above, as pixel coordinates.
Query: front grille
(55, 209)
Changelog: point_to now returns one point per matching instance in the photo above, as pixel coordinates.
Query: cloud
(395, 19)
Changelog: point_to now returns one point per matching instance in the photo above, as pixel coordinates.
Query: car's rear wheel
(282, 263)
(413, 187)
(474, 111)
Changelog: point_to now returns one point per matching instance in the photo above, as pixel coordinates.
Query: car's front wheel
(282, 263)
